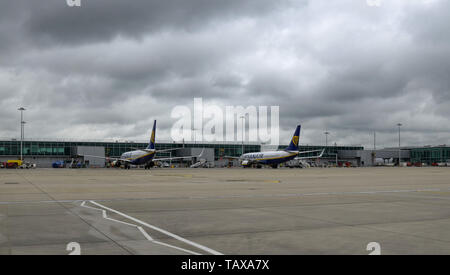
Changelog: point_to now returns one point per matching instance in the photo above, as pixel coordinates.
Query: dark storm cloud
(107, 69)
(99, 20)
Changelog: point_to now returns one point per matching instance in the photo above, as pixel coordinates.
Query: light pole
(195, 134)
(326, 138)
(374, 140)
(22, 125)
(399, 148)
(243, 119)
(326, 142)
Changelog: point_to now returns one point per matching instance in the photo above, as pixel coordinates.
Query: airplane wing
(313, 157)
(185, 157)
(162, 159)
(139, 149)
(106, 158)
(305, 152)
(152, 150)
(167, 150)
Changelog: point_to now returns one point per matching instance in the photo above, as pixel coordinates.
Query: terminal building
(46, 152)
(426, 155)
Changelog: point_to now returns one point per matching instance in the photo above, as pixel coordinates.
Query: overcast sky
(110, 67)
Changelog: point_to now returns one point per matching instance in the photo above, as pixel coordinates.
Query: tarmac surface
(225, 211)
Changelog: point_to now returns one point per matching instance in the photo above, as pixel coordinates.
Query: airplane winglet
(321, 154)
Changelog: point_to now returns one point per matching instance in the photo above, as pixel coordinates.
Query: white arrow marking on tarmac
(204, 248)
(146, 235)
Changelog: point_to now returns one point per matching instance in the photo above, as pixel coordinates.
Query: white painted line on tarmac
(105, 216)
(176, 247)
(204, 248)
(146, 235)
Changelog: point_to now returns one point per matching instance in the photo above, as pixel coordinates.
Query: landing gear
(149, 165)
(274, 166)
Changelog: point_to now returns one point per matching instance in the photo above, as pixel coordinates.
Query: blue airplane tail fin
(151, 144)
(293, 146)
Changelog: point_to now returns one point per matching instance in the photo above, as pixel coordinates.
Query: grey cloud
(429, 24)
(228, 80)
(99, 20)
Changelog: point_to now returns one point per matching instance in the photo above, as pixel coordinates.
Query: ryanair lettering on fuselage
(254, 156)
(273, 157)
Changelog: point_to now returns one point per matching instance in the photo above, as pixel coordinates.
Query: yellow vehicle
(13, 163)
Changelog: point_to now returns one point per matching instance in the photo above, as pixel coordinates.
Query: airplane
(145, 156)
(274, 158)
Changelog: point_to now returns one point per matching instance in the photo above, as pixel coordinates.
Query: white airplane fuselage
(138, 157)
(268, 158)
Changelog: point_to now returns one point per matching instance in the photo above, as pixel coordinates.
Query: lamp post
(374, 140)
(399, 148)
(195, 134)
(243, 120)
(326, 137)
(326, 142)
(22, 125)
